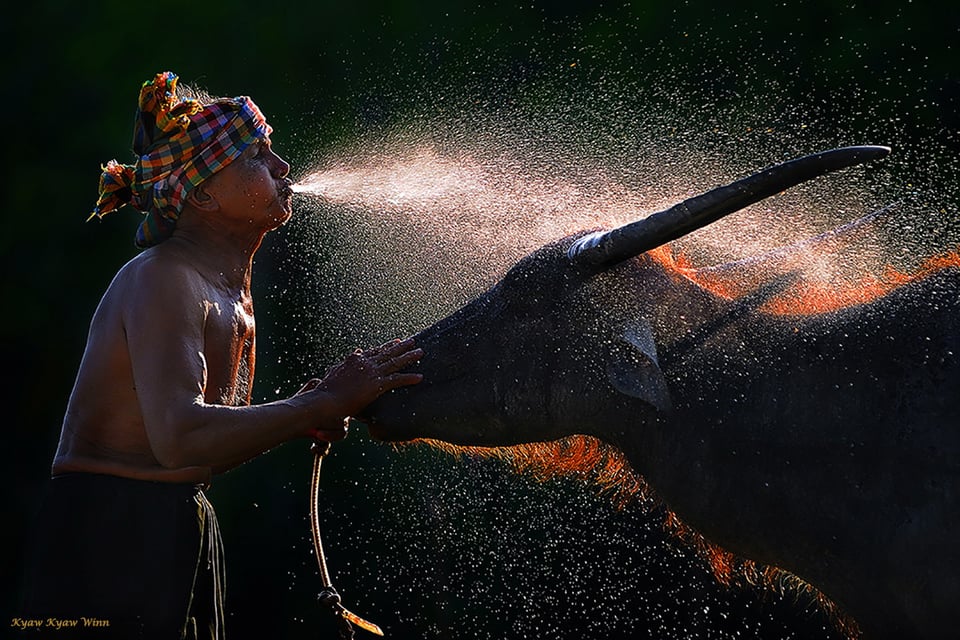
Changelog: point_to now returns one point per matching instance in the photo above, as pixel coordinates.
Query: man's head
(179, 144)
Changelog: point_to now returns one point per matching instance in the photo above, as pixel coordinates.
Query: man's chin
(282, 219)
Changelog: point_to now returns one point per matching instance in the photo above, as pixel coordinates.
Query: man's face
(254, 187)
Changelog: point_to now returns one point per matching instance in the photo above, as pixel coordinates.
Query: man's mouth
(285, 196)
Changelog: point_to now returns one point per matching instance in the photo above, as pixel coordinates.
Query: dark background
(427, 545)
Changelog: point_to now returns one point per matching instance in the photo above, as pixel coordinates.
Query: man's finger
(387, 350)
(331, 435)
(392, 349)
(395, 380)
(311, 384)
(402, 361)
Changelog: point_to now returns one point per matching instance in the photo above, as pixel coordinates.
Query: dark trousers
(118, 558)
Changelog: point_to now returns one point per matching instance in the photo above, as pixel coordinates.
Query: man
(127, 541)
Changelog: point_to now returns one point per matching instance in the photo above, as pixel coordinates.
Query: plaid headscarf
(179, 143)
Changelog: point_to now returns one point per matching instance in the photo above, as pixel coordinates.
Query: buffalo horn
(605, 249)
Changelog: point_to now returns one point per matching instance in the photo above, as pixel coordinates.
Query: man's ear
(202, 198)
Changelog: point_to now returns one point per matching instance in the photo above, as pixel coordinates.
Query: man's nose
(281, 167)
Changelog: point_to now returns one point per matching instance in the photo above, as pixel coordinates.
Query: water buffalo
(824, 445)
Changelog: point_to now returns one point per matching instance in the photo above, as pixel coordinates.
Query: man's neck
(224, 260)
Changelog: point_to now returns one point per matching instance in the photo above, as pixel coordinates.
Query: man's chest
(229, 350)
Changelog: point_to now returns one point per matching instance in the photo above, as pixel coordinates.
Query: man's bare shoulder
(157, 273)
(158, 264)
(154, 284)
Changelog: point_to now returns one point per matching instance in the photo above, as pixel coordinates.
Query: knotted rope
(328, 595)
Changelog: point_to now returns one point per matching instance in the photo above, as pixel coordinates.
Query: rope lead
(328, 596)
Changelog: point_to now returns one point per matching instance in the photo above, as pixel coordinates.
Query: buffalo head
(565, 340)
(821, 444)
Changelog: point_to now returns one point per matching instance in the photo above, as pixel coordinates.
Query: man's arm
(164, 325)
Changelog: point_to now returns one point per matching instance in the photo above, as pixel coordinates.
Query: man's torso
(103, 429)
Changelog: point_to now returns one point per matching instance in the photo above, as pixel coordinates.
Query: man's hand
(362, 377)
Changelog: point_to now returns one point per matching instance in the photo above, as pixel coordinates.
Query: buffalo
(819, 444)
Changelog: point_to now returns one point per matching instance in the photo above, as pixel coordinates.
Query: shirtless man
(162, 398)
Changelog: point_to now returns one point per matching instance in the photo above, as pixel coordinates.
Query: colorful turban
(179, 143)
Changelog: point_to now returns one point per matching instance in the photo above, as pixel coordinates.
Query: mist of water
(406, 222)
(436, 215)
(442, 217)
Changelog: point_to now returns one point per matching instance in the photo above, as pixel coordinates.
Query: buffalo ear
(633, 370)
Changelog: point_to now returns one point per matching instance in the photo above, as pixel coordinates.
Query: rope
(328, 596)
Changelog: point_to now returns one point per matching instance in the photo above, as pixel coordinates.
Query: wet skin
(164, 387)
